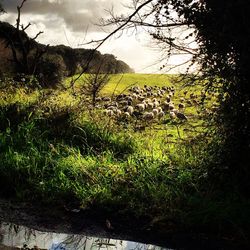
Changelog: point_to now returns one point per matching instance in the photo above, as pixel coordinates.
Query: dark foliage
(27, 54)
(50, 70)
(224, 53)
(222, 31)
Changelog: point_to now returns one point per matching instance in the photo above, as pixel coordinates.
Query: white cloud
(70, 22)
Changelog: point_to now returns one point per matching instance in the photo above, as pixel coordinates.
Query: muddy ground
(96, 224)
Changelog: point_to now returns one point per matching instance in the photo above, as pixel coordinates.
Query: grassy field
(121, 82)
(56, 149)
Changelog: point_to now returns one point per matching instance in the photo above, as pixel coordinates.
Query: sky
(73, 23)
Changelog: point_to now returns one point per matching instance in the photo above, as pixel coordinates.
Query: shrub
(50, 70)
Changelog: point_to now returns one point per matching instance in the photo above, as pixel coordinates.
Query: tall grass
(56, 151)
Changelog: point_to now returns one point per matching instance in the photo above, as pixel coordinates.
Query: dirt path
(52, 219)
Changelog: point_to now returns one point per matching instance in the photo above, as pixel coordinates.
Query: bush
(50, 70)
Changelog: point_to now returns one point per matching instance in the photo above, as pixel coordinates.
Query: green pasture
(56, 149)
(120, 83)
(160, 136)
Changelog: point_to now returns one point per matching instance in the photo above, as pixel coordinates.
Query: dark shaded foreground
(96, 224)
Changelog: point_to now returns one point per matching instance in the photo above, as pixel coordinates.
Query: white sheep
(150, 105)
(181, 106)
(172, 115)
(141, 107)
(168, 99)
(176, 111)
(159, 109)
(130, 110)
(148, 116)
(134, 95)
(156, 104)
(161, 114)
(129, 98)
(126, 115)
(155, 112)
(123, 103)
(171, 106)
(109, 112)
(106, 99)
(118, 112)
(165, 106)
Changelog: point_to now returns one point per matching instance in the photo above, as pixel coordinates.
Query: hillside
(72, 60)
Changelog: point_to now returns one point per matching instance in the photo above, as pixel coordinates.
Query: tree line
(50, 64)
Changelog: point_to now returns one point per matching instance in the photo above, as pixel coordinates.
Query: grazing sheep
(118, 112)
(148, 116)
(181, 116)
(141, 106)
(145, 103)
(115, 104)
(140, 98)
(214, 108)
(172, 115)
(106, 99)
(175, 111)
(120, 97)
(159, 93)
(168, 99)
(195, 102)
(155, 112)
(165, 106)
(126, 115)
(150, 105)
(129, 99)
(156, 103)
(123, 103)
(181, 106)
(161, 114)
(111, 108)
(193, 96)
(149, 94)
(109, 112)
(171, 106)
(159, 109)
(134, 95)
(130, 110)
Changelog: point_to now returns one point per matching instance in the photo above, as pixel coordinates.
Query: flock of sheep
(150, 104)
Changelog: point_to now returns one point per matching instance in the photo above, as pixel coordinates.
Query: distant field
(120, 82)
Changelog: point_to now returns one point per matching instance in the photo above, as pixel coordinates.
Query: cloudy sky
(72, 22)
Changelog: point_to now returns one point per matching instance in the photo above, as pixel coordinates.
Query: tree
(50, 70)
(94, 83)
(221, 32)
(26, 53)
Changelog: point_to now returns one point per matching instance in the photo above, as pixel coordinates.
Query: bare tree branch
(36, 36)
(26, 27)
(101, 41)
